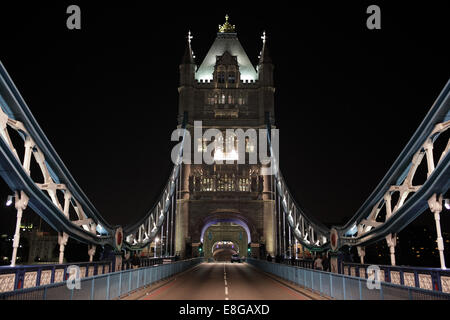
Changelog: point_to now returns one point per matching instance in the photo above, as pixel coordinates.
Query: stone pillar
(91, 252)
(269, 217)
(62, 241)
(435, 205)
(20, 204)
(254, 250)
(391, 240)
(361, 253)
(182, 215)
(195, 248)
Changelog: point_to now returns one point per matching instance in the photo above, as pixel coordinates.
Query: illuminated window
(201, 145)
(249, 147)
(222, 99)
(207, 184)
(221, 77)
(244, 184)
(231, 77)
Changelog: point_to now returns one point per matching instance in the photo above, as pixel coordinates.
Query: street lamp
(447, 204)
(156, 245)
(9, 200)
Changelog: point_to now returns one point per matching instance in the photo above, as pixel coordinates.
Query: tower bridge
(207, 212)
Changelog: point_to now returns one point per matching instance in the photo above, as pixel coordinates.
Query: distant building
(416, 246)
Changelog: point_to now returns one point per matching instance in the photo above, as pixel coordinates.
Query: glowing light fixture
(9, 200)
(447, 204)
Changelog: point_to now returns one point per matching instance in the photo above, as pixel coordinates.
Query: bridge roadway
(224, 281)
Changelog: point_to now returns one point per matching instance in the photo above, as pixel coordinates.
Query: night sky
(347, 99)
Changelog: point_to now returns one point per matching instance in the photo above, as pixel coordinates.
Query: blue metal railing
(42, 274)
(426, 278)
(103, 287)
(342, 287)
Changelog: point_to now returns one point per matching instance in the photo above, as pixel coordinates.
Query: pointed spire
(188, 57)
(264, 57)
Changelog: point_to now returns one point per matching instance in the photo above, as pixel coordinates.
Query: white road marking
(225, 280)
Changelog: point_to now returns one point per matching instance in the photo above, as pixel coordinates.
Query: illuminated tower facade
(225, 92)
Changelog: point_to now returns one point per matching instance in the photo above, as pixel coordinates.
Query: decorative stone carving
(30, 279)
(46, 277)
(7, 282)
(82, 272)
(395, 277)
(362, 272)
(445, 284)
(59, 275)
(425, 281)
(408, 278)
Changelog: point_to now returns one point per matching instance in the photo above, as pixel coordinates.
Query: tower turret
(265, 77)
(187, 81)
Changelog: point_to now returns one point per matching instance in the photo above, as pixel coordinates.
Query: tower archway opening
(222, 239)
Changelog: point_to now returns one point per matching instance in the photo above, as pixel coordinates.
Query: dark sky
(348, 99)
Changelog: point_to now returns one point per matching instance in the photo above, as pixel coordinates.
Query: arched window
(231, 77)
(220, 77)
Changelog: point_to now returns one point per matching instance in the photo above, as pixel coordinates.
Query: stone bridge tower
(225, 92)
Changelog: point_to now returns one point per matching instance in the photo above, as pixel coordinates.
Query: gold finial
(226, 27)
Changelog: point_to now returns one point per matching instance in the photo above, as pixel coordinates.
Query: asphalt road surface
(224, 281)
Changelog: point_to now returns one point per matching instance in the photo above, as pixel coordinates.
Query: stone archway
(226, 225)
(229, 216)
(223, 250)
(228, 237)
(250, 221)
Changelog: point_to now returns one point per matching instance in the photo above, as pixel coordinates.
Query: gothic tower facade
(225, 92)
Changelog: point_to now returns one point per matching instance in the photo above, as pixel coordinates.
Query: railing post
(44, 297)
(138, 278)
(320, 282)
(331, 286)
(130, 277)
(145, 277)
(381, 292)
(107, 286)
(360, 289)
(343, 287)
(120, 283)
(304, 278)
(92, 288)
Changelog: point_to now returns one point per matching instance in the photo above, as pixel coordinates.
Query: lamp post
(156, 245)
